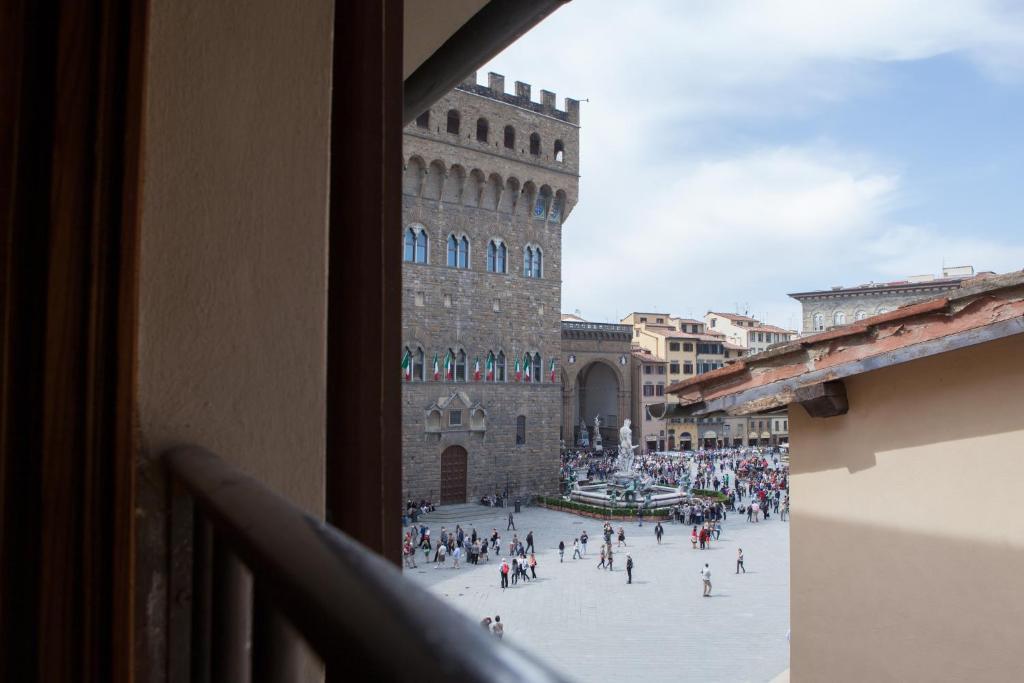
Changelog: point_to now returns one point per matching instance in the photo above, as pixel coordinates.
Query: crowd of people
(754, 482)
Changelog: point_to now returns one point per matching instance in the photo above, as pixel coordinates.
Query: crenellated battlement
(495, 90)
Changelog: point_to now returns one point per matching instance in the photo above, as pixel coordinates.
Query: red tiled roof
(987, 308)
(733, 316)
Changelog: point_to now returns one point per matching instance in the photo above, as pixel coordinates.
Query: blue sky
(732, 152)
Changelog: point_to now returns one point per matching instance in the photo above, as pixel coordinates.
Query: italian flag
(519, 371)
(476, 369)
(526, 367)
(449, 366)
(407, 366)
(490, 368)
(437, 369)
(551, 370)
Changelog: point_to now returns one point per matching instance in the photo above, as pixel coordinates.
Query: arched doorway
(597, 391)
(686, 441)
(453, 475)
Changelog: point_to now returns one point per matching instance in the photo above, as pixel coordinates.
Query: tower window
(534, 144)
(453, 121)
(423, 120)
(481, 130)
(510, 137)
(559, 151)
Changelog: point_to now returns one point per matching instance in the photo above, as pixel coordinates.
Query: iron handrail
(349, 604)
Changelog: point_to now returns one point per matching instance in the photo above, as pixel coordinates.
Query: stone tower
(489, 179)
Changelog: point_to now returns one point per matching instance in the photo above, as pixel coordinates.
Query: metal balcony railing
(266, 574)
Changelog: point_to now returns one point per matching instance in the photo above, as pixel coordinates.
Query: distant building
(648, 373)
(746, 332)
(837, 306)
(489, 178)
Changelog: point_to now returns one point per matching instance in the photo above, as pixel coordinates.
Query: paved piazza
(590, 625)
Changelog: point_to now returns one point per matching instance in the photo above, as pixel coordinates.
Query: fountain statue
(598, 442)
(626, 448)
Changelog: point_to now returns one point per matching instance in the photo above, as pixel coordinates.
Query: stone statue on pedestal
(626, 447)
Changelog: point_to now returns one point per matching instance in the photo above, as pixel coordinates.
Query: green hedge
(627, 510)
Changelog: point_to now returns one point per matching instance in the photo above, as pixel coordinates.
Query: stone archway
(454, 464)
(598, 391)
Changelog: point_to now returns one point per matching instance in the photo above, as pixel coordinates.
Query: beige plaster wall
(234, 233)
(908, 528)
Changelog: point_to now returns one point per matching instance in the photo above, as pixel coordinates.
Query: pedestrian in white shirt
(705, 575)
(456, 556)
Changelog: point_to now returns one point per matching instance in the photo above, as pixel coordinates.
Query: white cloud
(665, 222)
(743, 231)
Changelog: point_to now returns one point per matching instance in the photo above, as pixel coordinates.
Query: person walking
(533, 565)
(622, 537)
(693, 538)
(629, 569)
(739, 561)
(576, 549)
(659, 531)
(511, 523)
(456, 556)
(583, 542)
(601, 564)
(486, 623)
(498, 629)
(442, 552)
(611, 558)
(529, 542)
(503, 570)
(705, 575)
(515, 571)
(561, 551)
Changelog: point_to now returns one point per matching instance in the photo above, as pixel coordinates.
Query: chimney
(496, 82)
(523, 90)
(547, 98)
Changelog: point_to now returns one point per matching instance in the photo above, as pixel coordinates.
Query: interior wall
(234, 232)
(907, 535)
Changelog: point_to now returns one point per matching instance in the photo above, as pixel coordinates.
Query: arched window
(458, 252)
(497, 255)
(510, 137)
(839, 318)
(419, 370)
(536, 369)
(482, 128)
(559, 151)
(453, 121)
(520, 430)
(532, 261)
(415, 244)
(499, 367)
(882, 309)
(819, 322)
(460, 367)
(407, 359)
(410, 245)
(861, 315)
(423, 120)
(534, 144)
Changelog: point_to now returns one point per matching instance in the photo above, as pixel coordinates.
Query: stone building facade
(827, 308)
(596, 380)
(489, 180)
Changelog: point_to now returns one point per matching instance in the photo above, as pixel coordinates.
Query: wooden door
(453, 475)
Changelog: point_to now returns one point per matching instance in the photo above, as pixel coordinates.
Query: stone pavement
(590, 625)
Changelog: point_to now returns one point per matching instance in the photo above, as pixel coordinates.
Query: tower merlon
(496, 82)
(523, 90)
